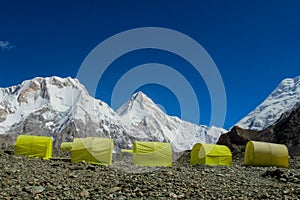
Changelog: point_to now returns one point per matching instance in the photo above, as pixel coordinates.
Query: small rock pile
(283, 176)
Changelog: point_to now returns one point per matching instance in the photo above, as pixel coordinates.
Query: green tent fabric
(211, 154)
(92, 150)
(266, 154)
(66, 146)
(152, 153)
(34, 146)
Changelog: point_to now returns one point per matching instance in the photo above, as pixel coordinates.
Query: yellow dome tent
(266, 154)
(34, 146)
(152, 153)
(66, 146)
(92, 150)
(211, 154)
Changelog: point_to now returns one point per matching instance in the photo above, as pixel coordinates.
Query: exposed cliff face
(285, 131)
(236, 138)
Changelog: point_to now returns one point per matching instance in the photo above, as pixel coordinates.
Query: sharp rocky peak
(141, 98)
(137, 103)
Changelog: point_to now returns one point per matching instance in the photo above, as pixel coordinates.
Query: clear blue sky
(255, 44)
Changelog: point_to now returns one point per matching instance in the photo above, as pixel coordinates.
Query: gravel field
(29, 178)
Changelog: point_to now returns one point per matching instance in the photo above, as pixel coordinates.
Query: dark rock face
(236, 139)
(285, 131)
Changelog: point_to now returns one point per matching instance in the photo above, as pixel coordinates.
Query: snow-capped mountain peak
(58, 107)
(281, 100)
(63, 109)
(287, 87)
(138, 108)
(140, 97)
(150, 122)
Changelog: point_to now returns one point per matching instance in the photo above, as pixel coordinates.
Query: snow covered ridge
(62, 108)
(149, 121)
(281, 100)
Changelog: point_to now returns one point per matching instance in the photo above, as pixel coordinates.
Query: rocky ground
(29, 178)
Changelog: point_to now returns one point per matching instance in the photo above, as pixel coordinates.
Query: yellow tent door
(152, 154)
(266, 154)
(210, 154)
(92, 150)
(66, 146)
(34, 146)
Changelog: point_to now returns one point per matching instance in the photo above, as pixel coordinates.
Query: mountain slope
(150, 122)
(284, 131)
(63, 109)
(56, 107)
(281, 100)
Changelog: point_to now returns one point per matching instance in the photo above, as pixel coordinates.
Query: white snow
(144, 114)
(52, 104)
(281, 100)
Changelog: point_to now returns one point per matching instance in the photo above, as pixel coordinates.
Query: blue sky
(255, 44)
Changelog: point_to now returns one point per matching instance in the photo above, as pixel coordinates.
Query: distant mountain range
(63, 109)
